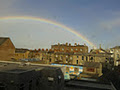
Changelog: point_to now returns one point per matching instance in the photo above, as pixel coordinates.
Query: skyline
(98, 21)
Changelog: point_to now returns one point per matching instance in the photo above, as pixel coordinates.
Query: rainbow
(52, 23)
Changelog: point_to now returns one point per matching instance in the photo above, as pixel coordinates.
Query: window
(55, 59)
(71, 49)
(50, 59)
(117, 55)
(56, 55)
(66, 56)
(76, 49)
(86, 58)
(77, 56)
(90, 69)
(60, 57)
(82, 57)
(66, 60)
(76, 61)
(70, 57)
(59, 79)
(80, 49)
(50, 81)
(91, 58)
(62, 49)
(117, 50)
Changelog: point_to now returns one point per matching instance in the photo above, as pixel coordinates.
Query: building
(103, 56)
(30, 77)
(69, 48)
(7, 48)
(80, 58)
(115, 54)
(88, 85)
(92, 70)
(41, 55)
(21, 53)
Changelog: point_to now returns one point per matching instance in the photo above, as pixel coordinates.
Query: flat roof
(17, 68)
(89, 84)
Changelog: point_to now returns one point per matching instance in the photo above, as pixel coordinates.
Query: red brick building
(70, 48)
(7, 48)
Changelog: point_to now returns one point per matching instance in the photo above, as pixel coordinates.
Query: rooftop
(20, 50)
(92, 64)
(3, 39)
(16, 68)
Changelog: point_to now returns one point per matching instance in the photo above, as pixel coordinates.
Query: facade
(7, 49)
(115, 54)
(74, 58)
(103, 56)
(91, 69)
(80, 58)
(30, 77)
(41, 55)
(21, 53)
(69, 48)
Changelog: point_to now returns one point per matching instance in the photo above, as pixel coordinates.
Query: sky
(97, 20)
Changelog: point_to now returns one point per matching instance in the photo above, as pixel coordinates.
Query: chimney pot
(75, 44)
(66, 44)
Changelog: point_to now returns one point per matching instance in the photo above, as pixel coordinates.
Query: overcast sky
(97, 20)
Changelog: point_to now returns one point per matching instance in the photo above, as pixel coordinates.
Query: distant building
(103, 56)
(92, 70)
(42, 55)
(21, 53)
(79, 58)
(88, 70)
(7, 48)
(69, 48)
(116, 54)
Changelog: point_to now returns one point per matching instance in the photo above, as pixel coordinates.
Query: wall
(7, 50)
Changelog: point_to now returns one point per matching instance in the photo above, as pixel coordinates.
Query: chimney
(69, 44)
(42, 49)
(84, 44)
(75, 44)
(100, 46)
(39, 49)
(66, 44)
(58, 43)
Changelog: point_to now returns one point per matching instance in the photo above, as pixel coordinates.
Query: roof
(16, 68)
(70, 45)
(116, 47)
(20, 50)
(64, 53)
(87, 85)
(92, 64)
(99, 51)
(3, 39)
